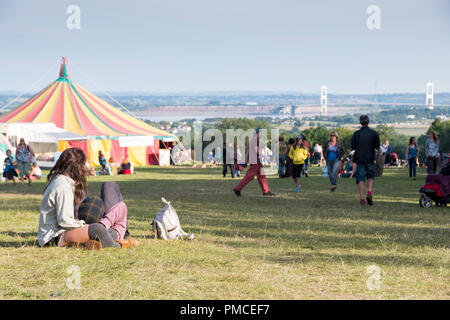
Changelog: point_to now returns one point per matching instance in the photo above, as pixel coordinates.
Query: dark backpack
(445, 170)
(91, 210)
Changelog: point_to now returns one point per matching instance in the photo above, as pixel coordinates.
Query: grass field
(308, 245)
(412, 132)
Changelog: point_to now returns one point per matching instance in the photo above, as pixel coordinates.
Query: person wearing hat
(256, 167)
(365, 142)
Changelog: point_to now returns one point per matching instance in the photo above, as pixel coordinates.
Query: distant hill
(144, 100)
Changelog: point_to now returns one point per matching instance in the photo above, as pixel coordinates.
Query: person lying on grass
(66, 188)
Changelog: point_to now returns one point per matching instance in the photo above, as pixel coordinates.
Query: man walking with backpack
(365, 142)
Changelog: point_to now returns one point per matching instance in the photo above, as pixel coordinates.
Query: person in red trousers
(256, 168)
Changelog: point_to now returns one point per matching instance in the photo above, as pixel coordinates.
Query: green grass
(308, 245)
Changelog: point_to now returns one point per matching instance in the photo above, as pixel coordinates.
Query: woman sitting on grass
(66, 187)
(36, 172)
(110, 169)
(91, 170)
(113, 166)
(126, 167)
(346, 170)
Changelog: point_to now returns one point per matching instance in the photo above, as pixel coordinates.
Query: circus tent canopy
(94, 124)
(73, 108)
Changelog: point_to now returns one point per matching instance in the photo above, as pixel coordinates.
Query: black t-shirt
(126, 166)
(365, 141)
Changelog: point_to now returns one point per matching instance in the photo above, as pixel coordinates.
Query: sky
(235, 45)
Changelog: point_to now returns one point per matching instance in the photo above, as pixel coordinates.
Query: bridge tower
(323, 100)
(429, 100)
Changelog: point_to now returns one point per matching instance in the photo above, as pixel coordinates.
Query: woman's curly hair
(72, 163)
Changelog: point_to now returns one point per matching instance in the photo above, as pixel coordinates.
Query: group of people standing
(365, 143)
(286, 161)
(432, 155)
(232, 159)
(361, 163)
(295, 158)
(110, 167)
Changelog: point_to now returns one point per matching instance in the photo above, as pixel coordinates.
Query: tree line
(399, 114)
(397, 141)
(321, 134)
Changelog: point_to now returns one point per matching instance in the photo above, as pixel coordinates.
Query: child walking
(298, 154)
(9, 171)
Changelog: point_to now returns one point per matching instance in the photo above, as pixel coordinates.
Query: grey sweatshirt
(431, 148)
(57, 210)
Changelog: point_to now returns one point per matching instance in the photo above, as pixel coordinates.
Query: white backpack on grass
(167, 226)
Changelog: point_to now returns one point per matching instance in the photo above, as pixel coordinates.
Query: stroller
(437, 189)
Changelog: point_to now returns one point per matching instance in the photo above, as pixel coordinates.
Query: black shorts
(317, 156)
(10, 174)
(297, 170)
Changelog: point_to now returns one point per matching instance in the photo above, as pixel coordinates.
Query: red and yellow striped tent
(73, 108)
